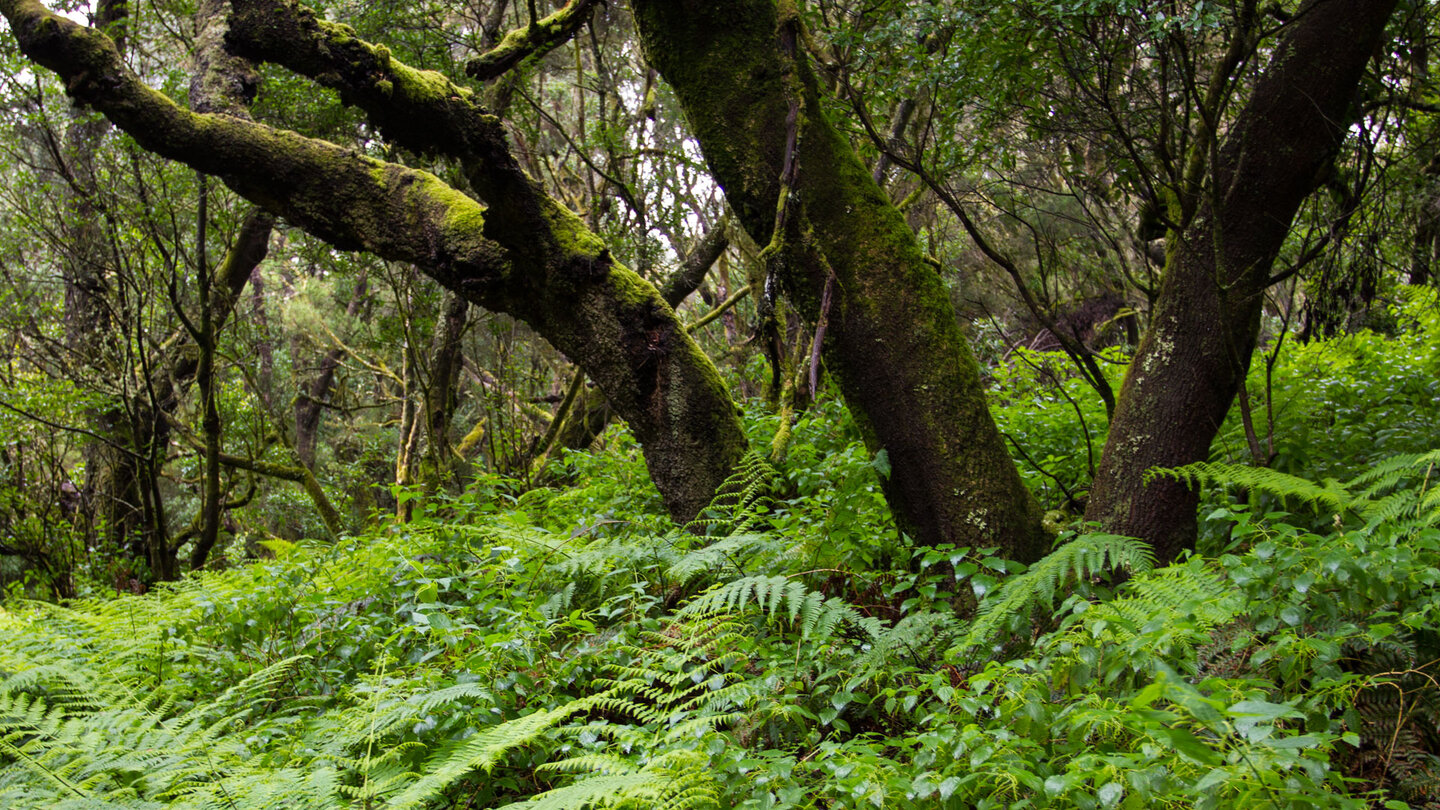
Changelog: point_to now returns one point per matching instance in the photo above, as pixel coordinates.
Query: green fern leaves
(1400, 489)
(810, 612)
(1089, 555)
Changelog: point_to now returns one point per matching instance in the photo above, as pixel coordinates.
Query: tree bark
(442, 394)
(1189, 366)
(206, 337)
(893, 341)
(591, 413)
(525, 255)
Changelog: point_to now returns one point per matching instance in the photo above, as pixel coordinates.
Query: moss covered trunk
(892, 339)
(1188, 368)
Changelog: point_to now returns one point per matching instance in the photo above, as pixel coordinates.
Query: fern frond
(1388, 472)
(483, 751)
(818, 616)
(240, 697)
(384, 712)
(1191, 590)
(1085, 556)
(741, 501)
(605, 764)
(675, 780)
(597, 791)
(1397, 490)
(731, 553)
(1331, 493)
(919, 638)
(37, 766)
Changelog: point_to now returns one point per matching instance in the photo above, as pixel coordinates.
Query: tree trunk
(892, 341)
(206, 337)
(1427, 236)
(310, 404)
(591, 413)
(1189, 366)
(408, 439)
(442, 395)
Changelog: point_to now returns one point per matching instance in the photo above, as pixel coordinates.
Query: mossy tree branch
(425, 112)
(549, 271)
(533, 41)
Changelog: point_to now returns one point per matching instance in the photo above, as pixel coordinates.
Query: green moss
(633, 292)
(425, 85)
(336, 33)
(571, 235)
(462, 218)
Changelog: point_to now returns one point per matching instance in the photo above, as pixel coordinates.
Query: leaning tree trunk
(891, 337)
(525, 255)
(590, 413)
(1189, 366)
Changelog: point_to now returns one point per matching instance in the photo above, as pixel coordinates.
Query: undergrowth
(504, 663)
(791, 649)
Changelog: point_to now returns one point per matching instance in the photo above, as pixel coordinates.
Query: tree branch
(534, 40)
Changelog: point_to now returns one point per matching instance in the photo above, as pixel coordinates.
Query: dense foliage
(570, 648)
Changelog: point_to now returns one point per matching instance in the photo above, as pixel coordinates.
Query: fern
(1190, 590)
(1018, 596)
(483, 752)
(811, 612)
(1388, 492)
(675, 780)
(678, 686)
(383, 713)
(1330, 494)
(730, 555)
(1163, 617)
(741, 501)
(918, 639)
(117, 749)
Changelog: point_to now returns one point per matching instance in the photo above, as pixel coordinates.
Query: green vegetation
(569, 648)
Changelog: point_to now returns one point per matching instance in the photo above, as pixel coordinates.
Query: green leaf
(1298, 741)
(1190, 746)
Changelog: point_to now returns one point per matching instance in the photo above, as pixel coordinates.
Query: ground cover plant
(568, 648)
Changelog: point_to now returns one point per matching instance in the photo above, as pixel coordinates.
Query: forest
(708, 404)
